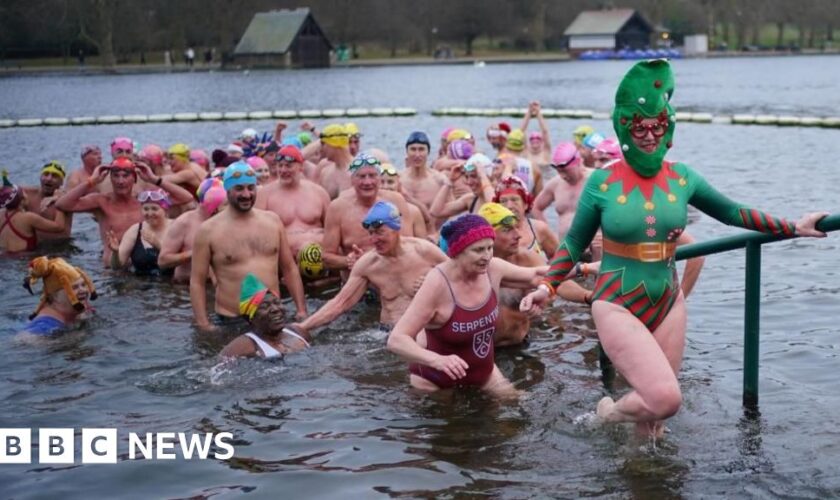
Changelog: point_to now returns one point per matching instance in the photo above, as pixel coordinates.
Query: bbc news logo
(100, 446)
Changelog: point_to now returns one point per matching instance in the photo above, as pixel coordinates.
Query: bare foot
(604, 408)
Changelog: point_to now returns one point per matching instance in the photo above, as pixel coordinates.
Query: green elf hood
(645, 92)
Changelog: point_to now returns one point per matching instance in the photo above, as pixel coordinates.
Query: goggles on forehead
(152, 196)
(566, 163)
(389, 170)
(286, 158)
(55, 168)
(361, 162)
(239, 173)
(508, 221)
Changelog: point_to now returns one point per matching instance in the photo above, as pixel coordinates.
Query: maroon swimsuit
(469, 334)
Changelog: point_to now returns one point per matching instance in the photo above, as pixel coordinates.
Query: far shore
(9, 68)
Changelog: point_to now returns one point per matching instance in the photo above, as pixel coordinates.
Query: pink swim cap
(460, 149)
(123, 143)
(565, 154)
(199, 156)
(153, 154)
(610, 148)
(535, 135)
(256, 162)
(211, 194)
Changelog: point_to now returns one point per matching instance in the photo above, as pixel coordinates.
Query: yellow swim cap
(497, 215)
(516, 140)
(458, 134)
(335, 135)
(581, 132)
(181, 150)
(352, 129)
(311, 262)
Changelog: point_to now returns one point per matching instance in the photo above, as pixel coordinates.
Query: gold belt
(644, 252)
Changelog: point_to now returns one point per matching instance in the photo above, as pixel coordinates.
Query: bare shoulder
(339, 204)
(392, 196)
(314, 187)
(267, 216)
(540, 226)
(427, 249)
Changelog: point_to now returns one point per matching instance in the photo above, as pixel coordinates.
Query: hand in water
(806, 226)
(451, 365)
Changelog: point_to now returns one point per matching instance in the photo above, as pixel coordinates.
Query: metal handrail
(752, 241)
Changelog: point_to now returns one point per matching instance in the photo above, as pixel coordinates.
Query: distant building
(610, 29)
(283, 39)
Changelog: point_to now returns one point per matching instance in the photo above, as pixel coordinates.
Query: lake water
(338, 421)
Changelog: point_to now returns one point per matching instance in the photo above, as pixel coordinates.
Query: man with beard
(269, 338)
(301, 204)
(238, 241)
(41, 199)
(345, 240)
(117, 211)
(395, 268)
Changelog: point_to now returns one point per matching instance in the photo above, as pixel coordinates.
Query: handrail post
(752, 310)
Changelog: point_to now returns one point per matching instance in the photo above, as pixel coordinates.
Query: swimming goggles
(507, 221)
(55, 168)
(389, 170)
(288, 159)
(565, 164)
(374, 224)
(361, 162)
(239, 173)
(156, 195)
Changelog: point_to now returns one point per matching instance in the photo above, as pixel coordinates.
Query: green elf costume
(641, 204)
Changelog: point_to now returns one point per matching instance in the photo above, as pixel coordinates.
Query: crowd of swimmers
(453, 240)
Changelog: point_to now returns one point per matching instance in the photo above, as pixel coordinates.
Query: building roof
(601, 22)
(272, 32)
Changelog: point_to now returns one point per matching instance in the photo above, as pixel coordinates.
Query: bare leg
(499, 386)
(670, 335)
(638, 356)
(422, 384)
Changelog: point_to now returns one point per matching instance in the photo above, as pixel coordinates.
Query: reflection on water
(340, 421)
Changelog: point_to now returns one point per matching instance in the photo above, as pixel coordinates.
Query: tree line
(115, 29)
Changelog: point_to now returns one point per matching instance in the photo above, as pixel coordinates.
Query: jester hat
(645, 92)
(251, 296)
(57, 275)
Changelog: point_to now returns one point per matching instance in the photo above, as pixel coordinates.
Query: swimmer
(345, 240)
(301, 204)
(269, 337)
(481, 191)
(563, 190)
(417, 216)
(176, 248)
(539, 143)
(457, 306)
(418, 180)
(64, 299)
(517, 164)
(534, 235)
(118, 210)
(333, 171)
(641, 205)
(395, 267)
(41, 199)
(238, 241)
(18, 226)
(140, 245)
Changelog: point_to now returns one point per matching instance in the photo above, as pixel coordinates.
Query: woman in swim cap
(538, 151)
(17, 224)
(140, 245)
(261, 169)
(457, 307)
(535, 235)
(474, 175)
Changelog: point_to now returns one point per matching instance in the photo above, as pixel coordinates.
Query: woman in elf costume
(641, 203)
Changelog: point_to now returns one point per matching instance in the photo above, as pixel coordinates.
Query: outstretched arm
(349, 295)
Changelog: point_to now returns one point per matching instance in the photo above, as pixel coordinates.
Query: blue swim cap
(293, 141)
(382, 214)
(418, 138)
(238, 173)
(592, 140)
